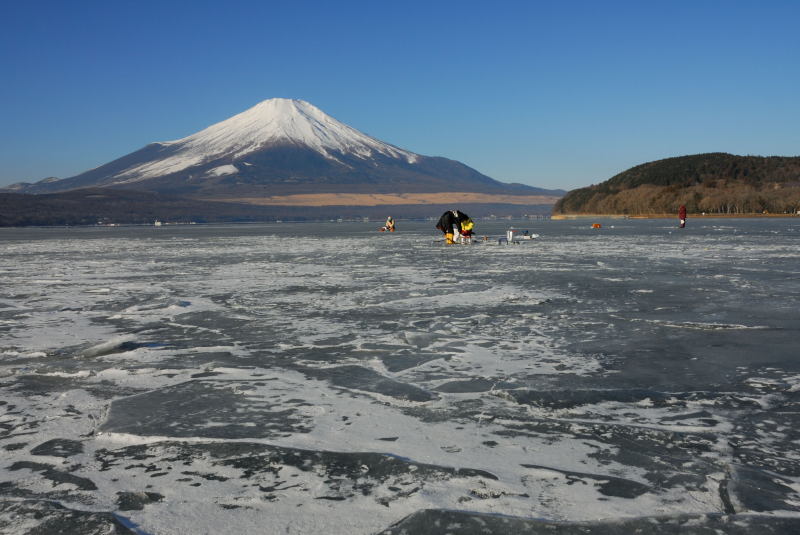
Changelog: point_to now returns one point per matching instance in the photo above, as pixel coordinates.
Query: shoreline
(671, 216)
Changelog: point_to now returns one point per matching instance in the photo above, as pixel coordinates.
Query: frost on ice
(268, 379)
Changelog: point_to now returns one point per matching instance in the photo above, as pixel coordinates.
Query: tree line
(711, 183)
(647, 199)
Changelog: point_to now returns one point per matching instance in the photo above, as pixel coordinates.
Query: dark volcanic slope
(293, 169)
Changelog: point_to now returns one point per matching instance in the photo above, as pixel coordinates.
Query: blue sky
(557, 94)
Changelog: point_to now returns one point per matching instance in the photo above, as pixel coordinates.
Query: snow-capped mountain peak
(271, 122)
(278, 147)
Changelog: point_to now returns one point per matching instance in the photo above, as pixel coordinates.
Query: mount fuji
(282, 147)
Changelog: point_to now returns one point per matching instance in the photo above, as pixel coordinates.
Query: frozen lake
(331, 379)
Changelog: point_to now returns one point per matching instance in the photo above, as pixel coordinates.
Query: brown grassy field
(388, 199)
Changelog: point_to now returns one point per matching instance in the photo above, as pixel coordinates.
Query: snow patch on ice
(107, 346)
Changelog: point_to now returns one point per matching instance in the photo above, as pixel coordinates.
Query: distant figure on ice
(452, 222)
(682, 215)
(466, 230)
(389, 226)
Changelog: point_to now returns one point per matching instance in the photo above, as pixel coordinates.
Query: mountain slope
(712, 182)
(281, 147)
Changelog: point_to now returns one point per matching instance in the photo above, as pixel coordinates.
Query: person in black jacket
(449, 221)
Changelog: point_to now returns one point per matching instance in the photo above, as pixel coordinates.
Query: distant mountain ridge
(281, 147)
(711, 182)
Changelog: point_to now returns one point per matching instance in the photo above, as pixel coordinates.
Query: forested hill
(712, 183)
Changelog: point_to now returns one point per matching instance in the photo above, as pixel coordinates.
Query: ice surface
(330, 379)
